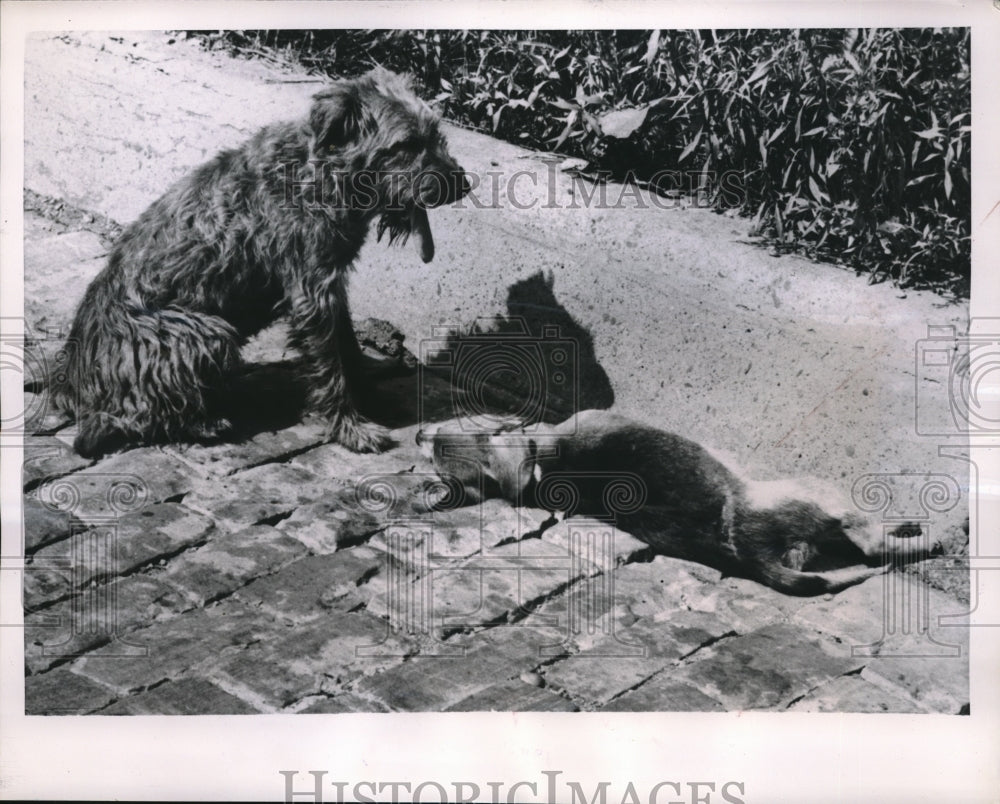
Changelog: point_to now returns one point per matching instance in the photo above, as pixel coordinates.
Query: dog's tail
(145, 375)
(797, 582)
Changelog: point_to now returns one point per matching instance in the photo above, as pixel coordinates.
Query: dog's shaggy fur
(796, 536)
(266, 229)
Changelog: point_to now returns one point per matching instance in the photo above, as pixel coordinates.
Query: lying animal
(796, 536)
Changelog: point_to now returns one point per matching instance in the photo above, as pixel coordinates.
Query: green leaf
(534, 93)
(760, 71)
(777, 133)
(817, 193)
(652, 47)
(571, 120)
(562, 103)
(690, 146)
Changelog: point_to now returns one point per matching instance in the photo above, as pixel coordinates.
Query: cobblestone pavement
(285, 574)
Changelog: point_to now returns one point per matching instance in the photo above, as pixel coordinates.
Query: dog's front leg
(321, 330)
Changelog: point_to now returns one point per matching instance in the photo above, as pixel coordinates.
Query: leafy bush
(851, 145)
(854, 145)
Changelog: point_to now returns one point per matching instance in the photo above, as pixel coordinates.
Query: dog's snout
(440, 187)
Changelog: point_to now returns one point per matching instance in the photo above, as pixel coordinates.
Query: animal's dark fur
(796, 536)
(266, 229)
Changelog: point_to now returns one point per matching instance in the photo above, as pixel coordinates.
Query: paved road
(258, 577)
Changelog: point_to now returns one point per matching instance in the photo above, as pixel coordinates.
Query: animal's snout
(444, 184)
(425, 439)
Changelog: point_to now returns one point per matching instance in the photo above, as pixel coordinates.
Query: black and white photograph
(631, 372)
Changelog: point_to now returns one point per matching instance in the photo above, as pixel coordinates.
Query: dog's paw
(99, 434)
(213, 430)
(359, 435)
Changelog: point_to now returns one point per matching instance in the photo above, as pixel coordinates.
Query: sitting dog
(796, 536)
(267, 229)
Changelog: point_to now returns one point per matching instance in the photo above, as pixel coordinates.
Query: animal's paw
(212, 430)
(933, 546)
(99, 434)
(907, 530)
(359, 435)
(442, 494)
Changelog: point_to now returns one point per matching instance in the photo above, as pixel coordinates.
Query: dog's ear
(335, 118)
(388, 82)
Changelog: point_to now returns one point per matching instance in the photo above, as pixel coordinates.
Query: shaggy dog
(267, 229)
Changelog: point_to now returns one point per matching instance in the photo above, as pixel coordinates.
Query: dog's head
(498, 462)
(388, 144)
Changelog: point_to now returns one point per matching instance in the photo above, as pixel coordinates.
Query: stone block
(435, 683)
(144, 598)
(116, 486)
(258, 494)
(514, 696)
(48, 457)
(93, 615)
(595, 679)
(42, 525)
(597, 543)
(662, 585)
(266, 447)
(662, 693)
(187, 696)
(894, 615)
(341, 703)
(592, 623)
(60, 692)
(230, 561)
(938, 684)
(308, 659)
(131, 542)
(313, 586)
(44, 255)
(172, 648)
(767, 669)
(852, 694)
(46, 580)
(327, 526)
(66, 629)
(338, 465)
(501, 586)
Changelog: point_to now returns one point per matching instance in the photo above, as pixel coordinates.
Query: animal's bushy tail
(145, 375)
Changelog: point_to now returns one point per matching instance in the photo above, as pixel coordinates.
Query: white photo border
(777, 757)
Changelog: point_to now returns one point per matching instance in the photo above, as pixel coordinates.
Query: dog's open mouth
(400, 225)
(411, 218)
(420, 226)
